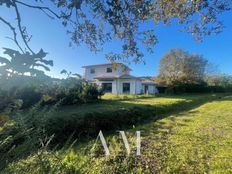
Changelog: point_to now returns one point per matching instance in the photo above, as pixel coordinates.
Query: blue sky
(51, 36)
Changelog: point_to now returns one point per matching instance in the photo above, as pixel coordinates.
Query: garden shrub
(90, 92)
(196, 88)
(169, 90)
(68, 92)
(79, 94)
(29, 95)
(8, 100)
(70, 96)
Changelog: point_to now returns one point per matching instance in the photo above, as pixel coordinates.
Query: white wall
(135, 85)
(138, 87)
(101, 71)
(151, 89)
(117, 85)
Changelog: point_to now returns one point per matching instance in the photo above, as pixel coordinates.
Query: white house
(115, 78)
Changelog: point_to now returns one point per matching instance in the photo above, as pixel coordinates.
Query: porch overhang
(105, 78)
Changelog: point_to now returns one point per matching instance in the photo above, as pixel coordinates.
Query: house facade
(116, 78)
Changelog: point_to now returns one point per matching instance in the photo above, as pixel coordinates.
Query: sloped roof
(125, 76)
(106, 77)
(107, 64)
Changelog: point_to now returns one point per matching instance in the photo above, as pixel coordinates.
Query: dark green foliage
(78, 94)
(70, 96)
(5, 101)
(187, 88)
(8, 100)
(193, 88)
(90, 93)
(31, 90)
(29, 95)
(20, 97)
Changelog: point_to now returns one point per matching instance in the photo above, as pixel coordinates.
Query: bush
(70, 96)
(68, 92)
(90, 93)
(169, 90)
(196, 88)
(29, 95)
(9, 101)
(79, 94)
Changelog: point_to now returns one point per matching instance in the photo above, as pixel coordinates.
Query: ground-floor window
(126, 87)
(107, 87)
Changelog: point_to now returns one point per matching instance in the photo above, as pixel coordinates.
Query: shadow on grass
(85, 122)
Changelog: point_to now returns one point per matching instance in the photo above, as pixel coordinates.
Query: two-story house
(116, 79)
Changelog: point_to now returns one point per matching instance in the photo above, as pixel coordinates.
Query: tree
(22, 63)
(221, 80)
(96, 23)
(180, 67)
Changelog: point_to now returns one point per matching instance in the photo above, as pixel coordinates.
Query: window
(126, 87)
(109, 70)
(107, 87)
(92, 71)
(146, 89)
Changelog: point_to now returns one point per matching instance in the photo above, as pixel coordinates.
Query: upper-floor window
(92, 71)
(109, 70)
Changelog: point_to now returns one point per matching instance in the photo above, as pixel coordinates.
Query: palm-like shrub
(23, 63)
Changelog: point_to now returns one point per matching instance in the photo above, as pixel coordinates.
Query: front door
(146, 89)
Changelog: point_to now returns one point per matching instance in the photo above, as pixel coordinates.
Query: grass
(113, 102)
(195, 141)
(193, 135)
(110, 115)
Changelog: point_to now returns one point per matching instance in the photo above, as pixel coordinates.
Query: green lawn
(194, 138)
(113, 102)
(195, 141)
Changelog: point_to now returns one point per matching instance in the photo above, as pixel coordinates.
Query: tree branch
(20, 27)
(40, 8)
(14, 32)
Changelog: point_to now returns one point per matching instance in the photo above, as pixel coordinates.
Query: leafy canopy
(96, 23)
